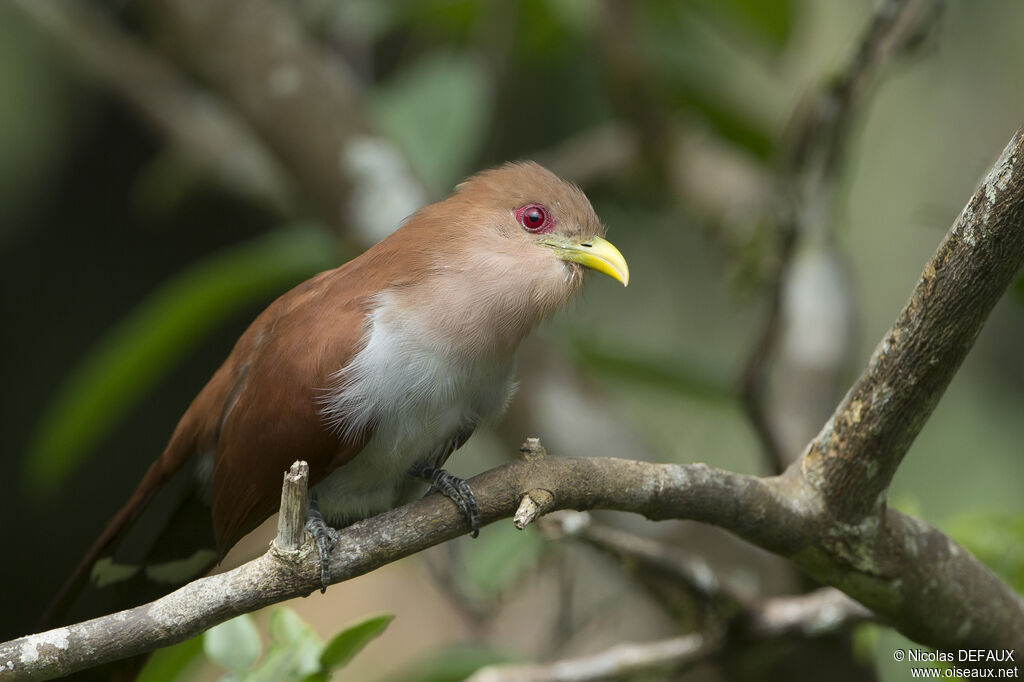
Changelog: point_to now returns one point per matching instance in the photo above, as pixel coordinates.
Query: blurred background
(776, 173)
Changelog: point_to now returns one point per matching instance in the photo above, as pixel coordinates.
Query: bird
(374, 373)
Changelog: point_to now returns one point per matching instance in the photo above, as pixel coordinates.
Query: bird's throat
(486, 309)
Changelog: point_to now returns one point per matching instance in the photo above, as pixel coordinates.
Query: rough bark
(774, 513)
(854, 457)
(827, 513)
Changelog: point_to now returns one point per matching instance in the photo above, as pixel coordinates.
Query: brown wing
(273, 417)
(257, 415)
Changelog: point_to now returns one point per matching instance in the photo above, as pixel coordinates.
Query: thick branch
(853, 459)
(771, 513)
(747, 504)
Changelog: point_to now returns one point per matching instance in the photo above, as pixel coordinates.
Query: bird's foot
(325, 539)
(455, 489)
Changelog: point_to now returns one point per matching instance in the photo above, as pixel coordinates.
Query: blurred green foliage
(140, 350)
(497, 558)
(674, 375)
(997, 539)
(234, 644)
(450, 664)
(464, 84)
(173, 663)
(296, 652)
(350, 641)
(38, 118)
(437, 112)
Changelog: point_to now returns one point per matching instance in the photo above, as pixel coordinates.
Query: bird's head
(499, 255)
(533, 210)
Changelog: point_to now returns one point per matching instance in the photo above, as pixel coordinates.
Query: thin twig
(691, 570)
(674, 654)
(819, 612)
(811, 163)
(822, 612)
(754, 379)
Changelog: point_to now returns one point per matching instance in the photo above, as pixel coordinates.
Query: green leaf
(499, 556)
(289, 632)
(288, 628)
(316, 677)
(37, 125)
(172, 663)
(728, 120)
(907, 503)
(770, 21)
(437, 111)
(453, 664)
(234, 644)
(669, 374)
(280, 663)
(698, 75)
(865, 642)
(145, 345)
(350, 641)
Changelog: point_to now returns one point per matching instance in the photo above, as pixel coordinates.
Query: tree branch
(812, 159)
(768, 512)
(654, 558)
(821, 612)
(280, 116)
(257, 54)
(676, 654)
(828, 513)
(856, 454)
(657, 490)
(302, 101)
(201, 128)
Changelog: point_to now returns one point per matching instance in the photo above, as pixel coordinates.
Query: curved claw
(458, 491)
(466, 501)
(325, 538)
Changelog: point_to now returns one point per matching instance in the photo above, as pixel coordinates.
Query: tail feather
(160, 540)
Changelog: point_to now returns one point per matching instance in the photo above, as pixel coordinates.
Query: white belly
(417, 396)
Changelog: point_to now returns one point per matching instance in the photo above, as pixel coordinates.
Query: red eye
(535, 218)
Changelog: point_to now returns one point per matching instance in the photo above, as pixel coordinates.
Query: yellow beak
(594, 253)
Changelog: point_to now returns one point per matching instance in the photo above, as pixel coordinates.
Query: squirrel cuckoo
(374, 373)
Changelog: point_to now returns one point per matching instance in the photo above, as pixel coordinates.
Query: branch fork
(910, 574)
(538, 501)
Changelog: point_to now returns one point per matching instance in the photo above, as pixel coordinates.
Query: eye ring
(535, 218)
